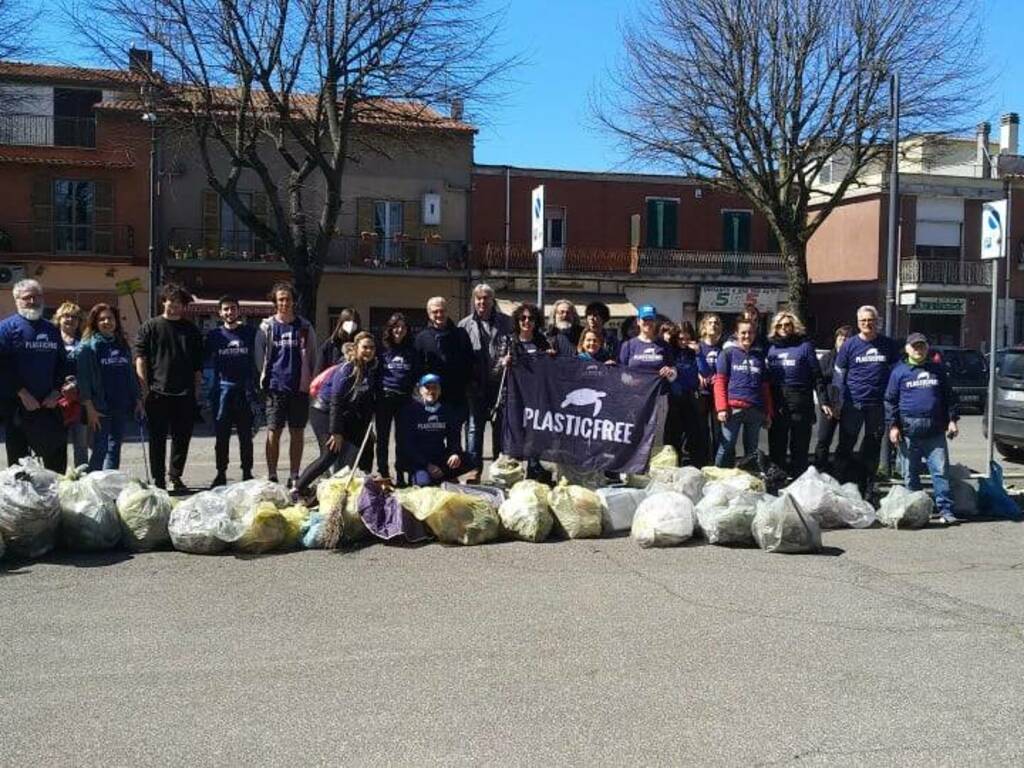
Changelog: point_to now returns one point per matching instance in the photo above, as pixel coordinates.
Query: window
(74, 124)
(736, 231)
(938, 252)
(554, 228)
(74, 215)
(662, 223)
(235, 236)
(388, 218)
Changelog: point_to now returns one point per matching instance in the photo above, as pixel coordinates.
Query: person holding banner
(649, 352)
(682, 421)
(596, 317)
(429, 446)
(593, 348)
(743, 398)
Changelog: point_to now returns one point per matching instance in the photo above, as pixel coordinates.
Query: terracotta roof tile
(67, 158)
(16, 70)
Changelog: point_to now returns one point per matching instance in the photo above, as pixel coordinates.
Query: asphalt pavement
(899, 648)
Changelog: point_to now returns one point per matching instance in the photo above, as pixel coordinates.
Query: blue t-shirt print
(116, 372)
(230, 352)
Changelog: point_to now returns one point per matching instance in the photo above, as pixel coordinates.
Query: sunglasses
(526, 319)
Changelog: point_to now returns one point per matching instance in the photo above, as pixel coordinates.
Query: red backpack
(318, 382)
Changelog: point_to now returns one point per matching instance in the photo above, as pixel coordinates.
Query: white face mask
(348, 327)
(32, 314)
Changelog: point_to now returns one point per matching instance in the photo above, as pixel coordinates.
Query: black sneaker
(272, 479)
(177, 487)
(219, 480)
(247, 474)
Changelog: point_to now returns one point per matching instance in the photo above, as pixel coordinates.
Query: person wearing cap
(429, 446)
(862, 369)
(650, 352)
(921, 410)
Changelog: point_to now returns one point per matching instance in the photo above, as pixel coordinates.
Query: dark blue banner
(590, 415)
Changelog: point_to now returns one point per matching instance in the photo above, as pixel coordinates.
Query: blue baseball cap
(647, 312)
(429, 378)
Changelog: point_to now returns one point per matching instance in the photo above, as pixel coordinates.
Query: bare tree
(304, 85)
(757, 95)
(18, 21)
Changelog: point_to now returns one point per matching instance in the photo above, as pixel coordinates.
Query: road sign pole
(540, 282)
(537, 241)
(993, 249)
(990, 410)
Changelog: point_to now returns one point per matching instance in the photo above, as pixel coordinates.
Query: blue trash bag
(993, 500)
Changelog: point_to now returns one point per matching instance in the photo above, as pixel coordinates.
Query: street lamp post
(894, 202)
(154, 273)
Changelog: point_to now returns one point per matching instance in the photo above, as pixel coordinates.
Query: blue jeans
(480, 407)
(751, 421)
(106, 443)
(931, 449)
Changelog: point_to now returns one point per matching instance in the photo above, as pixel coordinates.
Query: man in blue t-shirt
(429, 444)
(861, 375)
(35, 368)
(229, 350)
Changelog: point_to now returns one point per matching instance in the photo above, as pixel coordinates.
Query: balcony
(75, 242)
(940, 274)
(47, 130)
(367, 252)
(620, 261)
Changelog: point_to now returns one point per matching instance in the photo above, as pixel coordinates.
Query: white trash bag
(243, 497)
(663, 519)
(726, 517)
(832, 505)
(505, 471)
(902, 508)
(619, 507)
(29, 508)
(525, 514)
(202, 525)
(688, 481)
(88, 513)
(144, 511)
(781, 526)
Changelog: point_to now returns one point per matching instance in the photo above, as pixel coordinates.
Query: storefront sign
(939, 305)
(738, 299)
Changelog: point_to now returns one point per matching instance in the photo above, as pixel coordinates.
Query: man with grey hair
(564, 332)
(444, 348)
(486, 326)
(35, 369)
(863, 365)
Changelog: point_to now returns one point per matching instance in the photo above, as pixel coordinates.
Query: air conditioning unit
(432, 209)
(10, 274)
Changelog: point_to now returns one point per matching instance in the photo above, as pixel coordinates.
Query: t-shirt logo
(872, 355)
(923, 379)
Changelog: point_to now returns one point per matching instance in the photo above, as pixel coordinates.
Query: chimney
(984, 162)
(1009, 127)
(456, 109)
(140, 61)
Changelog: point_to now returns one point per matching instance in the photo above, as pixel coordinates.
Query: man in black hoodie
(445, 349)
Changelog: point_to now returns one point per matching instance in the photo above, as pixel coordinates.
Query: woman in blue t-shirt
(399, 370)
(68, 319)
(709, 345)
(107, 385)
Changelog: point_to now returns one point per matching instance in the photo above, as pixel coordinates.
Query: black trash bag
(761, 466)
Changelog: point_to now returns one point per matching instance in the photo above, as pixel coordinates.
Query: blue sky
(570, 46)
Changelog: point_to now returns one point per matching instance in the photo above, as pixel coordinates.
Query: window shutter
(211, 223)
(42, 215)
(412, 226)
(103, 217)
(653, 225)
(670, 211)
(261, 210)
(364, 215)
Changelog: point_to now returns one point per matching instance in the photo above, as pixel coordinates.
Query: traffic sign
(993, 230)
(537, 219)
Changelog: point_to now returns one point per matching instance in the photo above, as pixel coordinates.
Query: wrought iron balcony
(943, 272)
(47, 130)
(78, 240)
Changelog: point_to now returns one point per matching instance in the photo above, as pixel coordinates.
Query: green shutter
(653, 224)
(670, 212)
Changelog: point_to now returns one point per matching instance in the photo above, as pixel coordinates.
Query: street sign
(734, 299)
(128, 287)
(537, 219)
(939, 305)
(908, 299)
(993, 230)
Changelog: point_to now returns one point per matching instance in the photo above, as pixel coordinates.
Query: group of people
(89, 385)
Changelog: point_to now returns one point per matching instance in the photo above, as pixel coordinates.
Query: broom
(334, 524)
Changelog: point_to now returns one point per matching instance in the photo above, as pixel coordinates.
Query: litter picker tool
(501, 393)
(334, 524)
(145, 453)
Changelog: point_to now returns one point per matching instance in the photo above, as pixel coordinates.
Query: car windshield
(1012, 365)
(972, 363)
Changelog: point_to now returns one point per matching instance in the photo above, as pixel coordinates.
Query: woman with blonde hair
(795, 376)
(68, 319)
(709, 429)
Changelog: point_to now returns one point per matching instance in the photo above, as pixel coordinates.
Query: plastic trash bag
(330, 492)
(961, 486)
(505, 471)
(759, 465)
(832, 505)
(202, 525)
(384, 516)
(454, 518)
(243, 497)
(619, 507)
(726, 516)
(109, 483)
(266, 529)
(313, 531)
(905, 509)
(663, 520)
(577, 510)
(492, 493)
(144, 512)
(573, 475)
(525, 514)
(296, 517)
(666, 458)
(780, 525)
(688, 481)
(993, 500)
(739, 479)
(89, 520)
(29, 508)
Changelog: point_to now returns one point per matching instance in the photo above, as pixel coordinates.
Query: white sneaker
(948, 518)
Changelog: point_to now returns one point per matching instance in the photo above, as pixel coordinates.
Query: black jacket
(447, 352)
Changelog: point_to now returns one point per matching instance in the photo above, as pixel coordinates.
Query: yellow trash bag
(454, 518)
(736, 478)
(540, 491)
(266, 530)
(578, 510)
(295, 518)
(330, 491)
(666, 457)
(525, 514)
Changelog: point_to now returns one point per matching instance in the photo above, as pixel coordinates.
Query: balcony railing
(619, 260)
(186, 244)
(50, 239)
(47, 130)
(941, 272)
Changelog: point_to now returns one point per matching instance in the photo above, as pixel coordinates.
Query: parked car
(1008, 430)
(968, 375)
